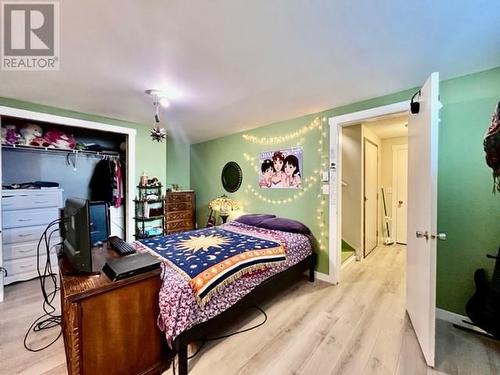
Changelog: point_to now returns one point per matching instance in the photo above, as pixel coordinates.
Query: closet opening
(46, 159)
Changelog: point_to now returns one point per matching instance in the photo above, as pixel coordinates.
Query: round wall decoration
(231, 177)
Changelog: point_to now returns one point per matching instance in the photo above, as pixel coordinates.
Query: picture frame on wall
(281, 169)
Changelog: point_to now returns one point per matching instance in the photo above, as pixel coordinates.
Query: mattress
(179, 309)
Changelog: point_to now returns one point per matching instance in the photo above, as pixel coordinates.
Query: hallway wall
(352, 192)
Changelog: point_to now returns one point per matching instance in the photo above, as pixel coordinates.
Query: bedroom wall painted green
(208, 158)
(467, 211)
(150, 156)
(178, 162)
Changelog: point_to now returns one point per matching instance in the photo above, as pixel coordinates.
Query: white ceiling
(389, 126)
(242, 64)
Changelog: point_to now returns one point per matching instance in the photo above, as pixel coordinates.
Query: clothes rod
(60, 151)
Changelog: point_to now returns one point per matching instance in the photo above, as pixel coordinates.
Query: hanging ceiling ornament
(157, 133)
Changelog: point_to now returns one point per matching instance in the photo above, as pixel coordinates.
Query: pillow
(254, 219)
(285, 225)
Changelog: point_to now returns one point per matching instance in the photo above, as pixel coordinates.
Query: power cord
(206, 339)
(49, 319)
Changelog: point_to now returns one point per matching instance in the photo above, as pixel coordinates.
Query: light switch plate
(325, 176)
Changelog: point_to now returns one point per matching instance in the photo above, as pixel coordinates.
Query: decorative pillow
(285, 225)
(254, 219)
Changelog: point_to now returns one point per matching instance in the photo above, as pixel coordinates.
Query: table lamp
(223, 205)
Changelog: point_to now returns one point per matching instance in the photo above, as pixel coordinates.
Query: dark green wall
(467, 211)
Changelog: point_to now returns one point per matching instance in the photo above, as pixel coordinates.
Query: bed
(212, 274)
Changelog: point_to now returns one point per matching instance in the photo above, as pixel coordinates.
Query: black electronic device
(121, 268)
(121, 247)
(414, 104)
(83, 223)
(75, 225)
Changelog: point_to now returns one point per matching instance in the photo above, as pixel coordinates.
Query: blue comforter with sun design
(212, 257)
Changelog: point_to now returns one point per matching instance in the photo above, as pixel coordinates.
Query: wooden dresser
(179, 211)
(110, 327)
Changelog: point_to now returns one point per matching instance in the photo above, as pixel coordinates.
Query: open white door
(422, 216)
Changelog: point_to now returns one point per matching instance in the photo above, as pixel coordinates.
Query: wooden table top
(78, 286)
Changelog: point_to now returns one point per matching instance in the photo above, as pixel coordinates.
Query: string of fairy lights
(309, 183)
(314, 124)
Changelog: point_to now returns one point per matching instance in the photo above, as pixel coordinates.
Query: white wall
(352, 193)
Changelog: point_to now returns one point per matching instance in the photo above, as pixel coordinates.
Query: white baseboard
(450, 317)
(457, 319)
(348, 261)
(323, 277)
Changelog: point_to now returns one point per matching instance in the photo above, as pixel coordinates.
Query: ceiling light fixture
(158, 133)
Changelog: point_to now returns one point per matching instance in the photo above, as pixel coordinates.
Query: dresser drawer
(25, 268)
(181, 224)
(179, 206)
(26, 218)
(24, 234)
(179, 197)
(180, 215)
(31, 200)
(25, 250)
(25, 265)
(178, 230)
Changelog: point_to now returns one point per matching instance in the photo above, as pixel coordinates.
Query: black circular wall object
(231, 176)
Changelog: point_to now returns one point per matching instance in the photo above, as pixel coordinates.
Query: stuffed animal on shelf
(4, 135)
(10, 136)
(41, 142)
(29, 133)
(60, 140)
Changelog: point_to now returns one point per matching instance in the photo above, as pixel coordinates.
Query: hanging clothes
(101, 183)
(117, 184)
(491, 145)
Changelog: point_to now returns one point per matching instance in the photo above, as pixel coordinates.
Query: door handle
(421, 234)
(400, 202)
(439, 236)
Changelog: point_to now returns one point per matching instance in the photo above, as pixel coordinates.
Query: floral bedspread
(179, 309)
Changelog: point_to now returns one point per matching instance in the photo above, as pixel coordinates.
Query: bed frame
(270, 286)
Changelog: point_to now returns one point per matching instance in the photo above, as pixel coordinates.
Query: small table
(110, 327)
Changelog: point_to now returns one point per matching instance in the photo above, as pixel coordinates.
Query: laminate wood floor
(357, 327)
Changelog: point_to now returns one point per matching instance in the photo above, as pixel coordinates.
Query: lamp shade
(224, 204)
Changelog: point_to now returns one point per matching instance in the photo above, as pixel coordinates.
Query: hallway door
(370, 160)
(422, 217)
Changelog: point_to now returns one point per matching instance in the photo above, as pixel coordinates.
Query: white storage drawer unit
(25, 215)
